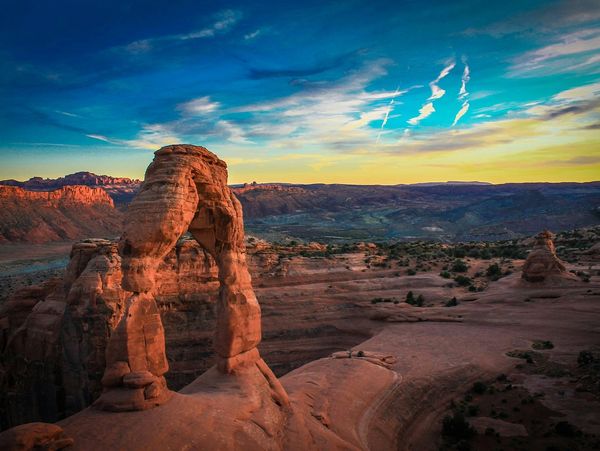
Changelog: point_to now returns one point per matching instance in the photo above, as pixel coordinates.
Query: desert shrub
(456, 427)
(542, 344)
(485, 254)
(585, 358)
(494, 271)
(463, 281)
(411, 271)
(459, 266)
(445, 274)
(479, 387)
(378, 300)
(452, 302)
(565, 429)
(417, 302)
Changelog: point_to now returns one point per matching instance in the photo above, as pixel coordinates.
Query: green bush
(494, 271)
(459, 266)
(418, 302)
(452, 302)
(463, 281)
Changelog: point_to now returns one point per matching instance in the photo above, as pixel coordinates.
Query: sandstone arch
(185, 189)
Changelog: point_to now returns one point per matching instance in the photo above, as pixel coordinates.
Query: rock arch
(185, 189)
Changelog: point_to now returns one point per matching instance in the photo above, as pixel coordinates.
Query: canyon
(370, 344)
(452, 211)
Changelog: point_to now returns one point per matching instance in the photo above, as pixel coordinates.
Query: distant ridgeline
(452, 211)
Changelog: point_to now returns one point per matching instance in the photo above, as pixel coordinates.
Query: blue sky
(348, 91)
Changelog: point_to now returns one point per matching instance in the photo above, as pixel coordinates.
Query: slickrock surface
(542, 264)
(353, 403)
(68, 213)
(35, 436)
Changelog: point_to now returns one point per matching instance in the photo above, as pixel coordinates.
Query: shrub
(418, 302)
(445, 274)
(479, 387)
(452, 302)
(457, 427)
(459, 266)
(411, 271)
(585, 358)
(542, 344)
(494, 271)
(463, 281)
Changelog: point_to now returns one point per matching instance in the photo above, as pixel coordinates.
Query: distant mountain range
(452, 211)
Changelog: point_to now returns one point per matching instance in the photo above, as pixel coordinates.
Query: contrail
(387, 112)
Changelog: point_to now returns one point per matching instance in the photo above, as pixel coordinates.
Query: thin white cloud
(224, 21)
(461, 112)
(466, 76)
(254, 34)
(463, 94)
(568, 47)
(425, 111)
(387, 113)
(201, 105)
(66, 113)
(436, 93)
(104, 138)
(235, 134)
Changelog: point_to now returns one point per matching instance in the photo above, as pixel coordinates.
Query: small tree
(459, 266)
(494, 271)
(410, 298)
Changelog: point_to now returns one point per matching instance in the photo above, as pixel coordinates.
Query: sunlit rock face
(67, 213)
(542, 262)
(185, 189)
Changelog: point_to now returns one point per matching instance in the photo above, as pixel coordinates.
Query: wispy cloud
(463, 94)
(549, 17)
(578, 49)
(201, 105)
(223, 22)
(252, 35)
(436, 93)
(425, 111)
(387, 112)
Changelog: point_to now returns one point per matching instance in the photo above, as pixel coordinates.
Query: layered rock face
(120, 189)
(70, 212)
(542, 262)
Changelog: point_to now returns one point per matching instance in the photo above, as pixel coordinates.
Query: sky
(362, 92)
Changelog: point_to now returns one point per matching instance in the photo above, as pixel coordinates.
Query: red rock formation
(35, 436)
(71, 212)
(542, 262)
(185, 189)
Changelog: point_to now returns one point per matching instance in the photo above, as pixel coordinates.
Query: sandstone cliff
(68, 213)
